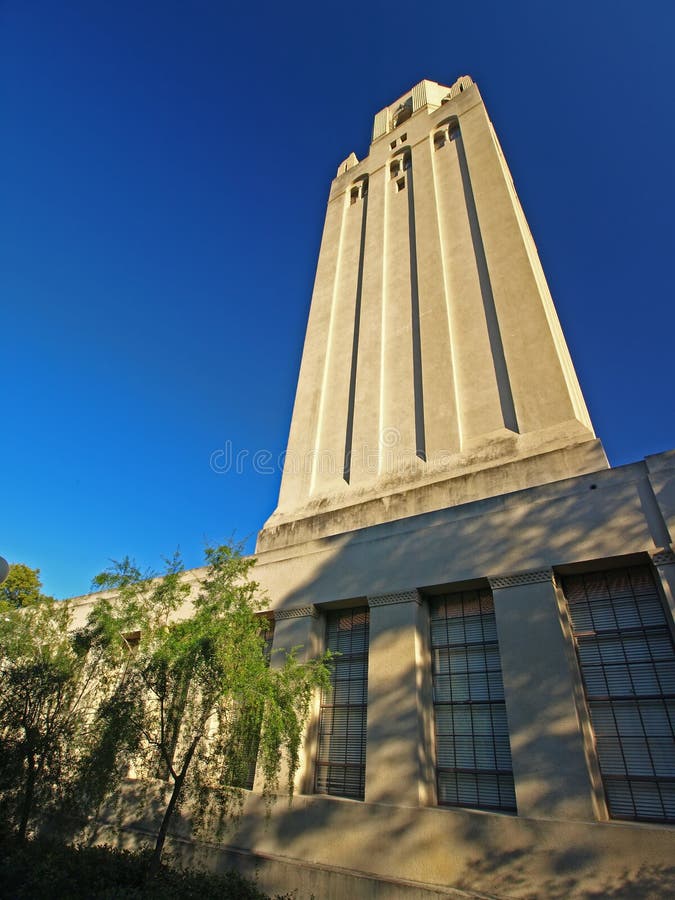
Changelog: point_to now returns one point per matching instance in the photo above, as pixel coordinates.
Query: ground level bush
(53, 871)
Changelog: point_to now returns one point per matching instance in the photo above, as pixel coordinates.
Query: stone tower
(501, 711)
(434, 370)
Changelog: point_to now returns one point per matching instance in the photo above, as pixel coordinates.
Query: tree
(206, 698)
(52, 680)
(62, 692)
(22, 587)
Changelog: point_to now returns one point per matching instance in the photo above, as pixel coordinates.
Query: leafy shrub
(54, 871)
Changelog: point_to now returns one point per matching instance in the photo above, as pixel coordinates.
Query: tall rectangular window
(473, 755)
(341, 764)
(627, 659)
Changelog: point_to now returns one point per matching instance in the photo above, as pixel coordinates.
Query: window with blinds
(627, 659)
(341, 763)
(473, 755)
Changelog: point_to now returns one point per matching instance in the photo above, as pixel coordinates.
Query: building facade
(502, 712)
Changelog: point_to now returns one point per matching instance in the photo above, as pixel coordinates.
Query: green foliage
(21, 588)
(199, 699)
(169, 677)
(55, 871)
(53, 679)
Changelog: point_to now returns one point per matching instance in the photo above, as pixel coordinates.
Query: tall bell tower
(434, 371)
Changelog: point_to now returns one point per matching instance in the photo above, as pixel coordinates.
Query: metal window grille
(627, 660)
(341, 763)
(473, 754)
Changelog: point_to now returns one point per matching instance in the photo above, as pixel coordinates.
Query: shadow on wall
(502, 856)
(507, 856)
(512, 533)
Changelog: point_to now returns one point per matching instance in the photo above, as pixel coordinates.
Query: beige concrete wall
(595, 516)
(477, 395)
(399, 765)
(368, 390)
(296, 479)
(558, 845)
(441, 388)
(499, 855)
(484, 474)
(550, 768)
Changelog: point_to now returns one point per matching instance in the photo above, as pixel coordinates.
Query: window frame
(323, 765)
(598, 756)
(504, 778)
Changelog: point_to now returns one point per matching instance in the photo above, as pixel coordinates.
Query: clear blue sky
(164, 168)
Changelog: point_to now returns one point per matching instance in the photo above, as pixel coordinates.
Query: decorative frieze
(397, 597)
(298, 613)
(537, 576)
(663, 558)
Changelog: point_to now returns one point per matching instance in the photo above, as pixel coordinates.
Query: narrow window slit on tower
(400, 184)
(349, 430)
(420, 438)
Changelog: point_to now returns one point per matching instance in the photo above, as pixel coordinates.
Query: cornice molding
(663, 558)
(536, 576)
(397, 597)
(300, 612)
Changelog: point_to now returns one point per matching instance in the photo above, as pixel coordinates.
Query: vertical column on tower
(366, 430)
(482, 382)
(533, 347)
(439, 383)
(401, 402)
(333, 436)
(301, 449)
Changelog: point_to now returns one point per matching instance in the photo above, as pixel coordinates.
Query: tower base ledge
(328, 517)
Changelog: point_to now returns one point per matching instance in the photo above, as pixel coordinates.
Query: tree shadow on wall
(506, 856)
(472, 850)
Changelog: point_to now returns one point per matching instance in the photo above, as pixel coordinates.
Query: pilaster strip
(663, 558)
(537, 576)
(299, 612)
(397, 597)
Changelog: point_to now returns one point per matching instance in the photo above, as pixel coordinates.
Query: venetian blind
(627, 659)
(473, 755)
(341, 763)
